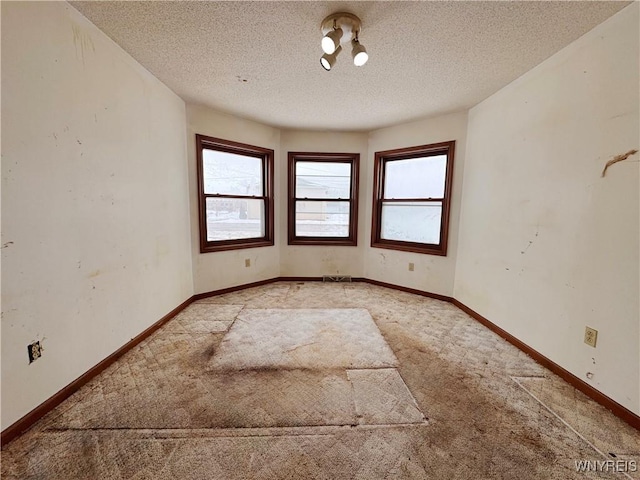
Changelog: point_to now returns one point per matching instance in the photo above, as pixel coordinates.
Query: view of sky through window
(415, 178)
(231, 174)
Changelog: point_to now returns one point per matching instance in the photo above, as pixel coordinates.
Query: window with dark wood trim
(412, 197)
(323, 198)
(235, 190)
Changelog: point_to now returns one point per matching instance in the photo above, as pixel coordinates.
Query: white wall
(217, 270)
(547, 246)
(432, 273)
(94, 198)
(312, 260)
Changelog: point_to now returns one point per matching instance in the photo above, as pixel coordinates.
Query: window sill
(423, 248)
(323, 241)
(234, 245)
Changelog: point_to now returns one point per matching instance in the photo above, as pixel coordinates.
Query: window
(323, 198)
(235, 183)
(411, 198)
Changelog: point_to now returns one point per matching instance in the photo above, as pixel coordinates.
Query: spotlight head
(331, 41)
(359, 54)
(328, 61)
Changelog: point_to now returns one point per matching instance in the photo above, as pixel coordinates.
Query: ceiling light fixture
(341, 28)
(329, 60)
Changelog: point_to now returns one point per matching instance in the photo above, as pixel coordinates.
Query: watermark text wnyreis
(606, 466)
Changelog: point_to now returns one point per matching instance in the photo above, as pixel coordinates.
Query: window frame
(266, 155)
(380, 162)
(351, 158)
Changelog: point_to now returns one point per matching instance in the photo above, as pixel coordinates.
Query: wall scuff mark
(618, 158)
(82, 41)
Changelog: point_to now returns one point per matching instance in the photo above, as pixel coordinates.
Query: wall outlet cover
(35, 351)
(590, 336)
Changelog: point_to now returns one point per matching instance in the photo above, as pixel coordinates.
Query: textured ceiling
(260, 60)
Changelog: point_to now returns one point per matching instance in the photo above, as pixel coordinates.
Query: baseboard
(618, 410)
(27, 421)
(222, 291)
(313, 279)
(298, 279)
(422, 293)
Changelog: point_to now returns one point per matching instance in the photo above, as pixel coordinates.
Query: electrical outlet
(590, 336)
(247, 262)
(411, 267)
(35, 351)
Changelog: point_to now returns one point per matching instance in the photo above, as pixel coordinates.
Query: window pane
(233, 218)
(231, 174)
(415, 177)
(323, 180)
(411, 221)
(322, 219)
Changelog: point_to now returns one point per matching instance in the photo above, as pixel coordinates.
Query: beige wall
(216, 270)
(548, 246)
(432, 273)
(316, 261)
(94, 198)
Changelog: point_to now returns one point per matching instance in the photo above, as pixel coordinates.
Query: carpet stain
(165, 411)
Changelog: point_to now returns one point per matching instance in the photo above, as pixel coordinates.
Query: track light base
(348, 22)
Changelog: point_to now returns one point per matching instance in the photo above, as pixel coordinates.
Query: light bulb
(328, 61)
(359, 54)
(331, 41)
